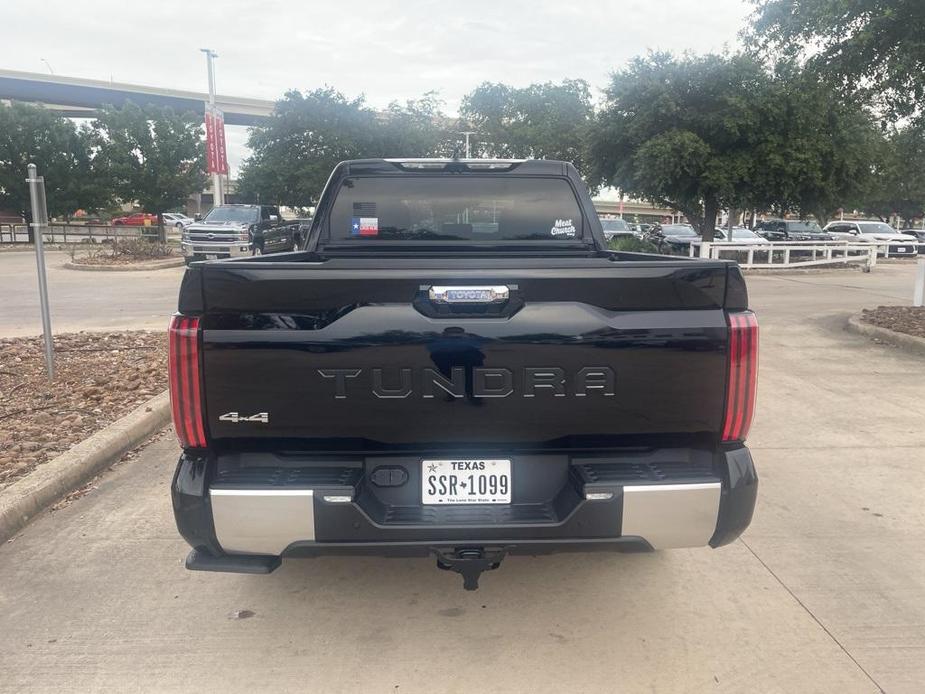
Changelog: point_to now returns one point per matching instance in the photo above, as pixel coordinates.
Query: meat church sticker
(563, 227)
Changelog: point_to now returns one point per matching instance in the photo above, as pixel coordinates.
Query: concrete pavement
(83, 300)
(825, 592)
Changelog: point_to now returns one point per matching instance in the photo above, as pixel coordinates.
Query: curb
(162, 265)
(26, 497)
(909, 342)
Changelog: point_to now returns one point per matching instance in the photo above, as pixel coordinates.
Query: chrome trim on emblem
(464, 294)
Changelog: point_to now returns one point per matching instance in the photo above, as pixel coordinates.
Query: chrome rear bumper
(262, 521)
(671, 515)
(268, 521)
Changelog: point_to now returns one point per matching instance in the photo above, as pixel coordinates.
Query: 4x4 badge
(263, 417)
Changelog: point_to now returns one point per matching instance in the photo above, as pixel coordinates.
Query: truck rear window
(455, 208)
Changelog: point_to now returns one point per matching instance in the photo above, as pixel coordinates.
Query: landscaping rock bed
(125, 252)
(117, 260)
(100, 377)
(902, 319)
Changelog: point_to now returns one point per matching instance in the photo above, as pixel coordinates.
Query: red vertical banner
(211, 150)
(221, 154)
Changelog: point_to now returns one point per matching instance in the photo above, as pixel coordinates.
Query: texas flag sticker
(364, 226)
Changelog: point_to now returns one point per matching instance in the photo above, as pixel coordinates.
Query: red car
(139, 219)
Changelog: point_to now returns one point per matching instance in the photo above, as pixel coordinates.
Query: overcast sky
(385, 50)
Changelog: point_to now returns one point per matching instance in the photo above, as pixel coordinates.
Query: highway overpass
(79, 98)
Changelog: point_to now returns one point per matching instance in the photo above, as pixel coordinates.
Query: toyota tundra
(455, 365)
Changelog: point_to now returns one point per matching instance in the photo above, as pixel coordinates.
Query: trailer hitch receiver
(470, 562)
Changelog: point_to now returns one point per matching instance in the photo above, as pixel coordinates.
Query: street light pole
(39, 226)
(467, 133)
(218, 193)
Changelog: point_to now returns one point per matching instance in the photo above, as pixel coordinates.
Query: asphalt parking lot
(82, 300)
(825, 592)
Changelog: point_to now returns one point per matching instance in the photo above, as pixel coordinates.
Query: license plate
(901, 249)
(466, 481)
(211, 256)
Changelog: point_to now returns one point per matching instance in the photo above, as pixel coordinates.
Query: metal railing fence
(79, 233)
(793, 254)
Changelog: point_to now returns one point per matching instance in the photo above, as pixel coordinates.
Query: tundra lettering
(496, 382)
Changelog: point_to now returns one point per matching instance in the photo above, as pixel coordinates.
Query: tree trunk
(708, 225)
(161, 233)
(693, 216)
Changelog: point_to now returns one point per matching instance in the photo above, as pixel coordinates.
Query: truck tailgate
(352, 354)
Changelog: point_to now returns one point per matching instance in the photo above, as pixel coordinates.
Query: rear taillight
(185, 383)
(743, 374)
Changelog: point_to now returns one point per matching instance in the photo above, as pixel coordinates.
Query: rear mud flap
(470, 562)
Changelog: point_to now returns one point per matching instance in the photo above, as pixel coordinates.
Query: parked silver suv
(892, 242)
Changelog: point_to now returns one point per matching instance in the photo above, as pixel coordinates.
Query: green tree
(152, 156)
(681, 132)
(541, 121)
(898, 186)
(875, 46)
(293, 153)
(308, 134)
(814, 152)
(63, 155)
(417, 128)
(705, 133)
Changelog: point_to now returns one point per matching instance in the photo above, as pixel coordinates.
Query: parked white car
(180, 221)
(894, 243)
(739, 235)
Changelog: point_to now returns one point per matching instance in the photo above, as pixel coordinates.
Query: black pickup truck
(455, 365)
